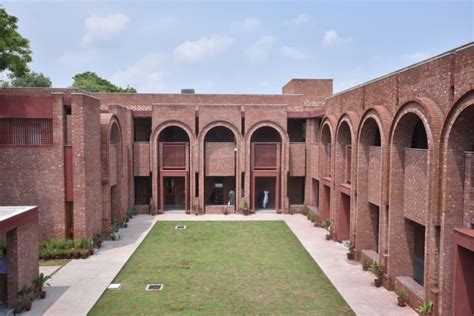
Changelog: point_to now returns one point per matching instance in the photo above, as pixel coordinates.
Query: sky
(236, 47)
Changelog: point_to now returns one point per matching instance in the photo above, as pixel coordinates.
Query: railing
(265, 156)
(348, 162)
(173, 155)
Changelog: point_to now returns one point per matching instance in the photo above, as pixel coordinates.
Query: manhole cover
(180, 227)
(154, 287)
(115, 286)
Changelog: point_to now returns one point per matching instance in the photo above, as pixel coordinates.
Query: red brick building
(390, 162)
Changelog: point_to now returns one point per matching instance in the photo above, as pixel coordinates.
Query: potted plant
(245, 208)
(291, 211)
(305, 209)
(39, 282)
(350, 248)
(226, 211)
(377, 270)
(365, 263)
(24, 298)
(98, 238)
(425, 308)
(327, 226)
(402, 296)
(85, 253)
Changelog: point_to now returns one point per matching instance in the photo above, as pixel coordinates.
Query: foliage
(327, 225)
(28, 79)
(64, 248)
(305, 209)
(222, 268)
(15, 51)
(245, 205)
(425, 308)
(350, 246)
(91, 82)
(40, 281)
(365, 261)
(376, 269)
(24, 295)
(402, 293)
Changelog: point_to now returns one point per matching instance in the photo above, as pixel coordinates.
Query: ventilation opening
(180, 227)
(154, 287)
(115, 286)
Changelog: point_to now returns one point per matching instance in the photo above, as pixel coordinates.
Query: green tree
(15, 51)
(29, 79)
(91, 82)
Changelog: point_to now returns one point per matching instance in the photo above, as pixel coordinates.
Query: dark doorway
(262, 185)
(419, 253)
(325, 202)
(296, 190)
(218, 190)
(315, 193)
(174, 193)
(374, 226)
(343, 231)
(142, 190)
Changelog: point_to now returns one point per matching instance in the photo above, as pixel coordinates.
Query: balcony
(174, 156)
(265, 156)
(220, 159)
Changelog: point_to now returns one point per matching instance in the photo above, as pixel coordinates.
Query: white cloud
(195, 51)
(301, 19)
(78, 58)
(416, 57)
(102, 27)
(293, 53)
(146, 75)
(332, 38)
(248, 24)
(261, 48)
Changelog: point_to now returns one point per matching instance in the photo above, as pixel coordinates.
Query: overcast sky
(246, 47)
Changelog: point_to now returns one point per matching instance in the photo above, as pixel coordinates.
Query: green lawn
(219, 268)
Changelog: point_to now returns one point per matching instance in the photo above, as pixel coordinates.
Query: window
(22, 131)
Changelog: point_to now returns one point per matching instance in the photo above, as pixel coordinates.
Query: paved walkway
(77, 286)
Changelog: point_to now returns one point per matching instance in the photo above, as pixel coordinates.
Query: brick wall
(415, 187)
(297, 159)
(141, 159)
(220, 159)
(374, 175)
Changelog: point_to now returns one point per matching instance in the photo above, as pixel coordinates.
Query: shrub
(402, 293)
(376, 269)
(425, 308)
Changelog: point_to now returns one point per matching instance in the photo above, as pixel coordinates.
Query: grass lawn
(215, 268)
(54, 262)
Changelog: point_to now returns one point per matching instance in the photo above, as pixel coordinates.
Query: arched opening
(343, 180)
(325, 172)
(220, 163)
(173, 153)
(458, 177)
(408, 199)
(265, 162)
(369, 189)
(115, 173)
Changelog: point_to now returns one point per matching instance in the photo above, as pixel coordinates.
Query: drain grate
(154, 287)
(180, 227)
(115, 286)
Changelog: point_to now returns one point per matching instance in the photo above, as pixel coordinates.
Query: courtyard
(222, 267)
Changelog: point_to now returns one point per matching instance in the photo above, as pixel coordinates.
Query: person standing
(265, 199)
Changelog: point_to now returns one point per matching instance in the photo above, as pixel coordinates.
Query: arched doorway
(220, 168)
(369, 184)
(115, 173)
(173, 166)
(408, 198)
(458, 213)
(325, 172)
(343, 180)
(266, 150)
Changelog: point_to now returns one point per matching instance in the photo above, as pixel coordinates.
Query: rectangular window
(22, 131)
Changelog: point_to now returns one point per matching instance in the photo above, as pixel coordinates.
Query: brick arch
(238, 140)
(371, 181)
(154, 157)
(112, 207)
(455, 134)
(412, 196)
(284, 160)
(343, 197)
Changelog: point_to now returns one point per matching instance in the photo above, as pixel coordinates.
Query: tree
(29, 79)
(91, 82)
(15, 51)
